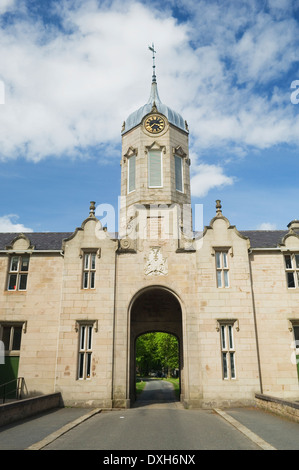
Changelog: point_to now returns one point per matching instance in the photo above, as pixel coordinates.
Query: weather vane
(152, 48)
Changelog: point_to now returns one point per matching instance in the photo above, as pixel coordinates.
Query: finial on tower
(218, 207)
(92, 208)
(152, 48)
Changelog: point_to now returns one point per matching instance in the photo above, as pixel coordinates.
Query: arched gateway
(152, 309)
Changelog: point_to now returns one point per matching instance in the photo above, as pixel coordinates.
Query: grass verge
(140, 384)
(176, 385)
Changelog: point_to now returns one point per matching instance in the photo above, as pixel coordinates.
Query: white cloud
(280, 5)
(265, 50)
(6, 5)
(2, 92)
(65, 92)
(8, 223)
(208, 177)
(266, 226)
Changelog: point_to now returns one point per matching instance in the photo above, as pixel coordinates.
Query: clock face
(154, 124)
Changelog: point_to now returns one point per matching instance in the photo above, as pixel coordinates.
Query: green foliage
(157, 352)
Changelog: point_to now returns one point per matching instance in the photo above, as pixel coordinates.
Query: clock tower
(155, 164)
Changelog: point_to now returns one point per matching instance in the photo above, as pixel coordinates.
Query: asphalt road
(147, 428)
(157, 422)
(157, 391)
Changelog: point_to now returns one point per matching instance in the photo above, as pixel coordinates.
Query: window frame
(222, 268)
(150, 154)
(19, 273)
(180, 159)
(296, 334)
(293, 269)
(130, 160)
(294, 327)
(228, 350)
(88, 271)
(12, 326)
(85, 350)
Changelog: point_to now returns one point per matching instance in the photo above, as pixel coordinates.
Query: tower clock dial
(154, 124)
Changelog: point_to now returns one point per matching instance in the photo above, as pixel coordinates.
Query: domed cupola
(154, 104)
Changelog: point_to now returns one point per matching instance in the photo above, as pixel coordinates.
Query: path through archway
(155, 309)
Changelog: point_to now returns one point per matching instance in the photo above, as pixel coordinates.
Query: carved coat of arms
(155, 263)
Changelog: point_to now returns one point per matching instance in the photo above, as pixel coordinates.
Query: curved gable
(20, 242)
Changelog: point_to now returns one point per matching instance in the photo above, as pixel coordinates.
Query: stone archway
(155, 308)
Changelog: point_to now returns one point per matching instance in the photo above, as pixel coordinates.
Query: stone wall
(284, 408)
(11, 412)
(275, 305)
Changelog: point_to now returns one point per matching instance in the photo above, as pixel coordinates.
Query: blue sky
(72, 71)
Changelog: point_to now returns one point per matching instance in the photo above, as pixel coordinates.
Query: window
(85, 352)
(296, 338)
(155, 169)
(18, 273)
(11, 337)
(227, 351)
(89, 270)
(292, 270)
(222, 269)
(178, 173)
(131, 174)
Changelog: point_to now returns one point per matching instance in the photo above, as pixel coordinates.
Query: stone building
(73, 304)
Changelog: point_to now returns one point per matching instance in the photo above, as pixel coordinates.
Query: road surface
(157, 422)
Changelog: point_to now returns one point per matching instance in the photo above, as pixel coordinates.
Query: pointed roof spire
(152, 48)
(154, 104)
(154, 95)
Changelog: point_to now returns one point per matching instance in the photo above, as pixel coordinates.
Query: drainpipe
(255, 323)
(113, 327)
(61, 252)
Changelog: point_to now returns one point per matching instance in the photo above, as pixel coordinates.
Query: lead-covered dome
(154, 101)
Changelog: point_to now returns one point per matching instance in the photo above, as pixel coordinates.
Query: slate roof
(41, 241)
(53, 240)
(264, 238)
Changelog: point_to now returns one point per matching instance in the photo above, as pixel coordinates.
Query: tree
(158, 352)
(146, 359)
(167, 351)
